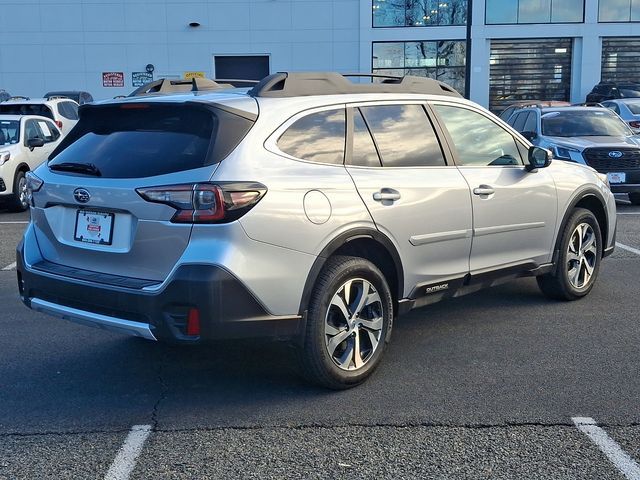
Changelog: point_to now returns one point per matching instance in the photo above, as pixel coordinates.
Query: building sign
(138, 79)
(113, 79)
(190, 75)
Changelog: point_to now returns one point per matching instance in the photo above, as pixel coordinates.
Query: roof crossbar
(167, 85)
(295, 84)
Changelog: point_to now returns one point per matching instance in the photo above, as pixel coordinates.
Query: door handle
(386, 194)
(484, 190)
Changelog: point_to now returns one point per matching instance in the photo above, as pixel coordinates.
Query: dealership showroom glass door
(530, 69)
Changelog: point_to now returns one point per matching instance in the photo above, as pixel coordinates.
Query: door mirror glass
(35, 142)
(538, 158)
(531, 136)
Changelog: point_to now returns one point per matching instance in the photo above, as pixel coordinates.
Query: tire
(578, 265)
(329, 352)
(634, 198)
(18, 201)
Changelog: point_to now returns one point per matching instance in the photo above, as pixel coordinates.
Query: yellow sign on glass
(190, 75)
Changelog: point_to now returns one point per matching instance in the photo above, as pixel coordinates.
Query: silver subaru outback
(306, 208)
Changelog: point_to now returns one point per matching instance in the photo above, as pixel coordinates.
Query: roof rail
(57, 97)
(19, 97)
(294, 84)
(588, 104)
(167, 85)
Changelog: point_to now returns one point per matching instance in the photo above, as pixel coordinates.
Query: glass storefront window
(619, 11)
(419, 13)
(443, 60)
(500, 12)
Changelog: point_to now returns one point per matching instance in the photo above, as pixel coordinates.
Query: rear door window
(518, 121)
(318, 137)
(49, 131)
(404, 136)
(68, 110)
(530, 124)
(144, 140)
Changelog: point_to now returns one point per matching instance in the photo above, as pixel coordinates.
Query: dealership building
(515, 49)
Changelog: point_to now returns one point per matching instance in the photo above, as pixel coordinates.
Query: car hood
(580, 143)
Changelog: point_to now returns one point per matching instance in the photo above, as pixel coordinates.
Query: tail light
(59, 124)
(206, 202)
(634, 124)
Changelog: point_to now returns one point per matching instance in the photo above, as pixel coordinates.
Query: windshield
(634, 108)
(9, 132)
(583, 123)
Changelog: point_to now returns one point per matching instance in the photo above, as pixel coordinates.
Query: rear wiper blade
(86, 168)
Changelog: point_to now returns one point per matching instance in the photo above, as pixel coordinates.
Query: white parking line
(628, 213)
(609, 447)
(12, 223)
(11, 266)
(627, 248)
(125, 460)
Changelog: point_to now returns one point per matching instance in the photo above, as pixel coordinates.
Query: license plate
(617, 177)
(94, 227)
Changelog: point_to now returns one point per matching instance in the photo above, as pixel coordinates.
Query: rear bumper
(227, 309)
(625, 187)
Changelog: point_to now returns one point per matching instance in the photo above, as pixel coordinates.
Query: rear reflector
(634, 124)
(193, 322)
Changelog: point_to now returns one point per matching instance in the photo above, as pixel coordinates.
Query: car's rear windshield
(26, 109)
(583, 123)
(634, 108)
(145, 140)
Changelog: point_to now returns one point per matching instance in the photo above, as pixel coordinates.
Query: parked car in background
(511, 109)
(63, 111)
(77, 96)
(593, 136)
(307, 208)
(628, 109)
(25, 142)
(4, 95)
(611, 91)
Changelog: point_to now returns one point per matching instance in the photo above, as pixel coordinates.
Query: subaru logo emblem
(615, 154)
(81, 195)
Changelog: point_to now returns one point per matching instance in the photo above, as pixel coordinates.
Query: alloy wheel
(353, 324)
(582, 255)
(22, 192)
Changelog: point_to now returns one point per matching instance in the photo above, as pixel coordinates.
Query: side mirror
(35, 142)
(538, 158)
(531, 136)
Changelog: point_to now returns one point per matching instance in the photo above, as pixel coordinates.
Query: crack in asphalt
(164, 388)
(469, 426)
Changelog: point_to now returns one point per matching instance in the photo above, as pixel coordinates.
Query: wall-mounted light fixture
(194, 24)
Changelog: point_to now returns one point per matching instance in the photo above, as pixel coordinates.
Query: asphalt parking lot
(485, 386)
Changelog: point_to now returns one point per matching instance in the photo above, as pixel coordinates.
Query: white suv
(25, 142)
(63, 111)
